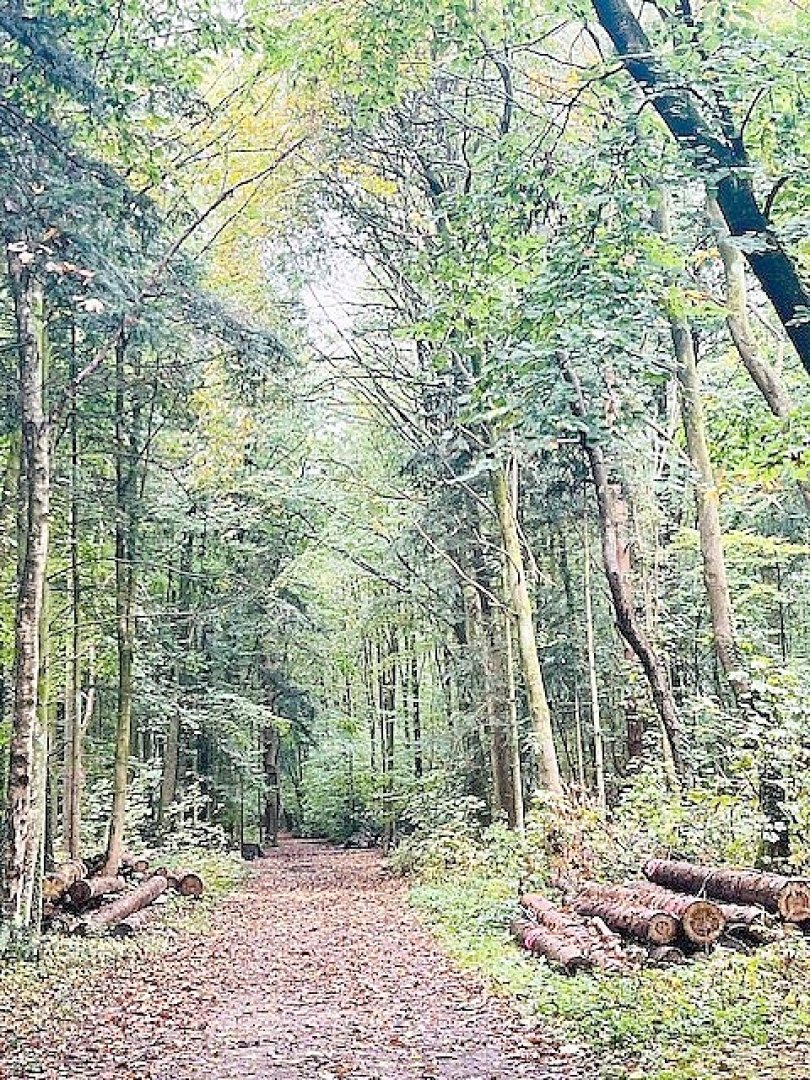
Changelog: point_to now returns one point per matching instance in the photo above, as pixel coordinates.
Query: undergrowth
(57, 983)
(728, 1015)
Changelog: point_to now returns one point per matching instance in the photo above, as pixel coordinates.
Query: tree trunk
(615, 569)
(24, 827)
(764, 375)
(271, 746)
(171, 756)
(74, 720)
(527, 640)
(596, 715)
(708, 511)
(416, 713)
(715, 153)
(388, 704)
(485, 636)
(125, 466)
(514, 726)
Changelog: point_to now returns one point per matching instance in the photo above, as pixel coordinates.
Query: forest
(405, 443)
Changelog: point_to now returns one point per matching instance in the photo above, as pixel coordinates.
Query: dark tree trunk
(723, 160)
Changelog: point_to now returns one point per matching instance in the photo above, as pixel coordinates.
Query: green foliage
(728, 1012)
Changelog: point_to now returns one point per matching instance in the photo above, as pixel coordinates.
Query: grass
(728, 1015)
(55, 986)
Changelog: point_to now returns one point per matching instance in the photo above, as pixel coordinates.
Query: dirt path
(315, 970)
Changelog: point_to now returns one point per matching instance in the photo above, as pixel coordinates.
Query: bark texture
(24, 818)
(629, 624)
(527, 639)
(721, 156)
(789, 897)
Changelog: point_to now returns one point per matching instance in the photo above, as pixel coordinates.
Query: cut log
(56, 884)
(665, 955)
(134, 923)
(702, 920)
(126, 905)
(560, 950)
(84, 890)
(789, 897)
(621, 911)
(553, 918)
(134, 864)
(601, 946)
(186, 882)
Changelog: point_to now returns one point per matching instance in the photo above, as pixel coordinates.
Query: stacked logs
(787, 897)
(82, 902)
(573, 942)
(680, 909)
(627, 915)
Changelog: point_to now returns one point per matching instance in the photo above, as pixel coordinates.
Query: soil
(315, 970)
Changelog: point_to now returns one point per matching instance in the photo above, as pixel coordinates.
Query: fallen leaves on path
(315, 970)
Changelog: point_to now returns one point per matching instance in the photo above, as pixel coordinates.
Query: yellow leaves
(703, 255)
(248, 146)
(369, 180)
(225, 429)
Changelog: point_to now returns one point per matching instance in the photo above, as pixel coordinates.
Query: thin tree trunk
(485, 636)
(527, 640)
(514, 727)
(627, 620)
(24, 825)
(596, 715)
(706, 496)
(125, 612)
(44, 805)
(74, 729)
(171, 756)
(707, 500)
(416, 715)
(764, 375)
(271, 747)
(388, 704)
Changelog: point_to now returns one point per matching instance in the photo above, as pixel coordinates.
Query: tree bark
(596, 715)
(24, 826)
(74, 719)
(126, 905)
(171, 755)
(708, 510)
(614, 561)
(125, 472)
(84, 890)
(486, 636)
(722, 158)
(766, 378)
(527, 641)
(644, 922)
(789, 897)
(271, 747)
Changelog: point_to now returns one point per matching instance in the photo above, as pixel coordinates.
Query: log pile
(572, 941)
(680, 909)
(789, 898)
(79, 898)
(627, 915)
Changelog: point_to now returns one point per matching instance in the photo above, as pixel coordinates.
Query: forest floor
(315, 969)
